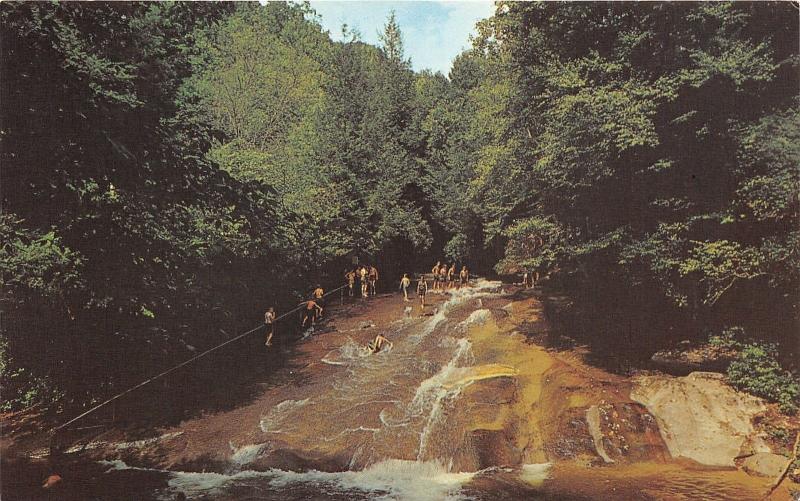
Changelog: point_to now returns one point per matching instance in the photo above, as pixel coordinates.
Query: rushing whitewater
(462, 407)
(384, 408)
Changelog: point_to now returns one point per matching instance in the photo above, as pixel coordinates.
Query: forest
(171, 169)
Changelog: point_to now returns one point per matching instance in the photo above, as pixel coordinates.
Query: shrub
(23, 389)
(730, 338)
(757, 371)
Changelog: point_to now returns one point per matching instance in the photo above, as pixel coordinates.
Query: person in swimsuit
(378, 343)
(310, 313)
(319, 297)
(373, 279)
(422, 290)
(443, 277)
(351, 281)
(435, 272)
(451, 276)
(404, 283)
(362, 273)
(269, 319)
(464, 276)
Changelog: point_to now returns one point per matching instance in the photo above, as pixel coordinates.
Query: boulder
(686, 359)
(764, 464)
(699, 416)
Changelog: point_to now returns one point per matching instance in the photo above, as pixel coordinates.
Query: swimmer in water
(378, 343)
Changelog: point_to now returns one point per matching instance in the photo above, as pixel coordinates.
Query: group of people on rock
(367, 277)
(311, 309)
(530, 279)
(444, 277)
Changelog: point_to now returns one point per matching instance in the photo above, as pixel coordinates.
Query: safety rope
(182, 364)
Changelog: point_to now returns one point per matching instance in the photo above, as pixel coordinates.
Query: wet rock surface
(468, 402)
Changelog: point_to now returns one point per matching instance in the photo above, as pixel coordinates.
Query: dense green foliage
(118, 238)
(325, 124)
(646, 154)
(663, 151)
(171, 168)
(757, 370)
(647, 158)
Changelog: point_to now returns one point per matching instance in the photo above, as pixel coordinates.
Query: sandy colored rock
(700, 417)
(764, 464)
(593, 420)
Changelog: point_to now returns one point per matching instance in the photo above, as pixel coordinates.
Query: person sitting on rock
(378, 343)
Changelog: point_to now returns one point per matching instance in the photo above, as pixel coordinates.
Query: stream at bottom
(387, 426)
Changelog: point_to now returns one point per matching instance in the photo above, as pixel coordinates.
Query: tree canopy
(172, 168)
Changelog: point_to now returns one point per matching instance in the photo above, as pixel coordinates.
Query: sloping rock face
(701, 417)
(764, 464)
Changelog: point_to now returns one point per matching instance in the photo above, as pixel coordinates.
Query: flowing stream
(394, 425)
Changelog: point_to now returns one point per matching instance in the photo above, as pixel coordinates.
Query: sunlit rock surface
(700, 417)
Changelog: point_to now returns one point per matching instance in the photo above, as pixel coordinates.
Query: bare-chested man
(422, 290)
(310, 313)
(451, 276)
(351, 281)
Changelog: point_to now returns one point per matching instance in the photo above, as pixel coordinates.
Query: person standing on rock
(319, 297)
(373, 280)
(464, 277)
(404, 283)
(310, 313)
(435, 272)
(422, 290)
(351, 281)
(269, 319)
(451, 276)
(362, 274)
(443, 277)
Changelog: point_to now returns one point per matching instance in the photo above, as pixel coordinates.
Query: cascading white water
(432, 394)
(338, 413)
(271, 422)
(397, 422)
(388, 480)
(367, 375)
